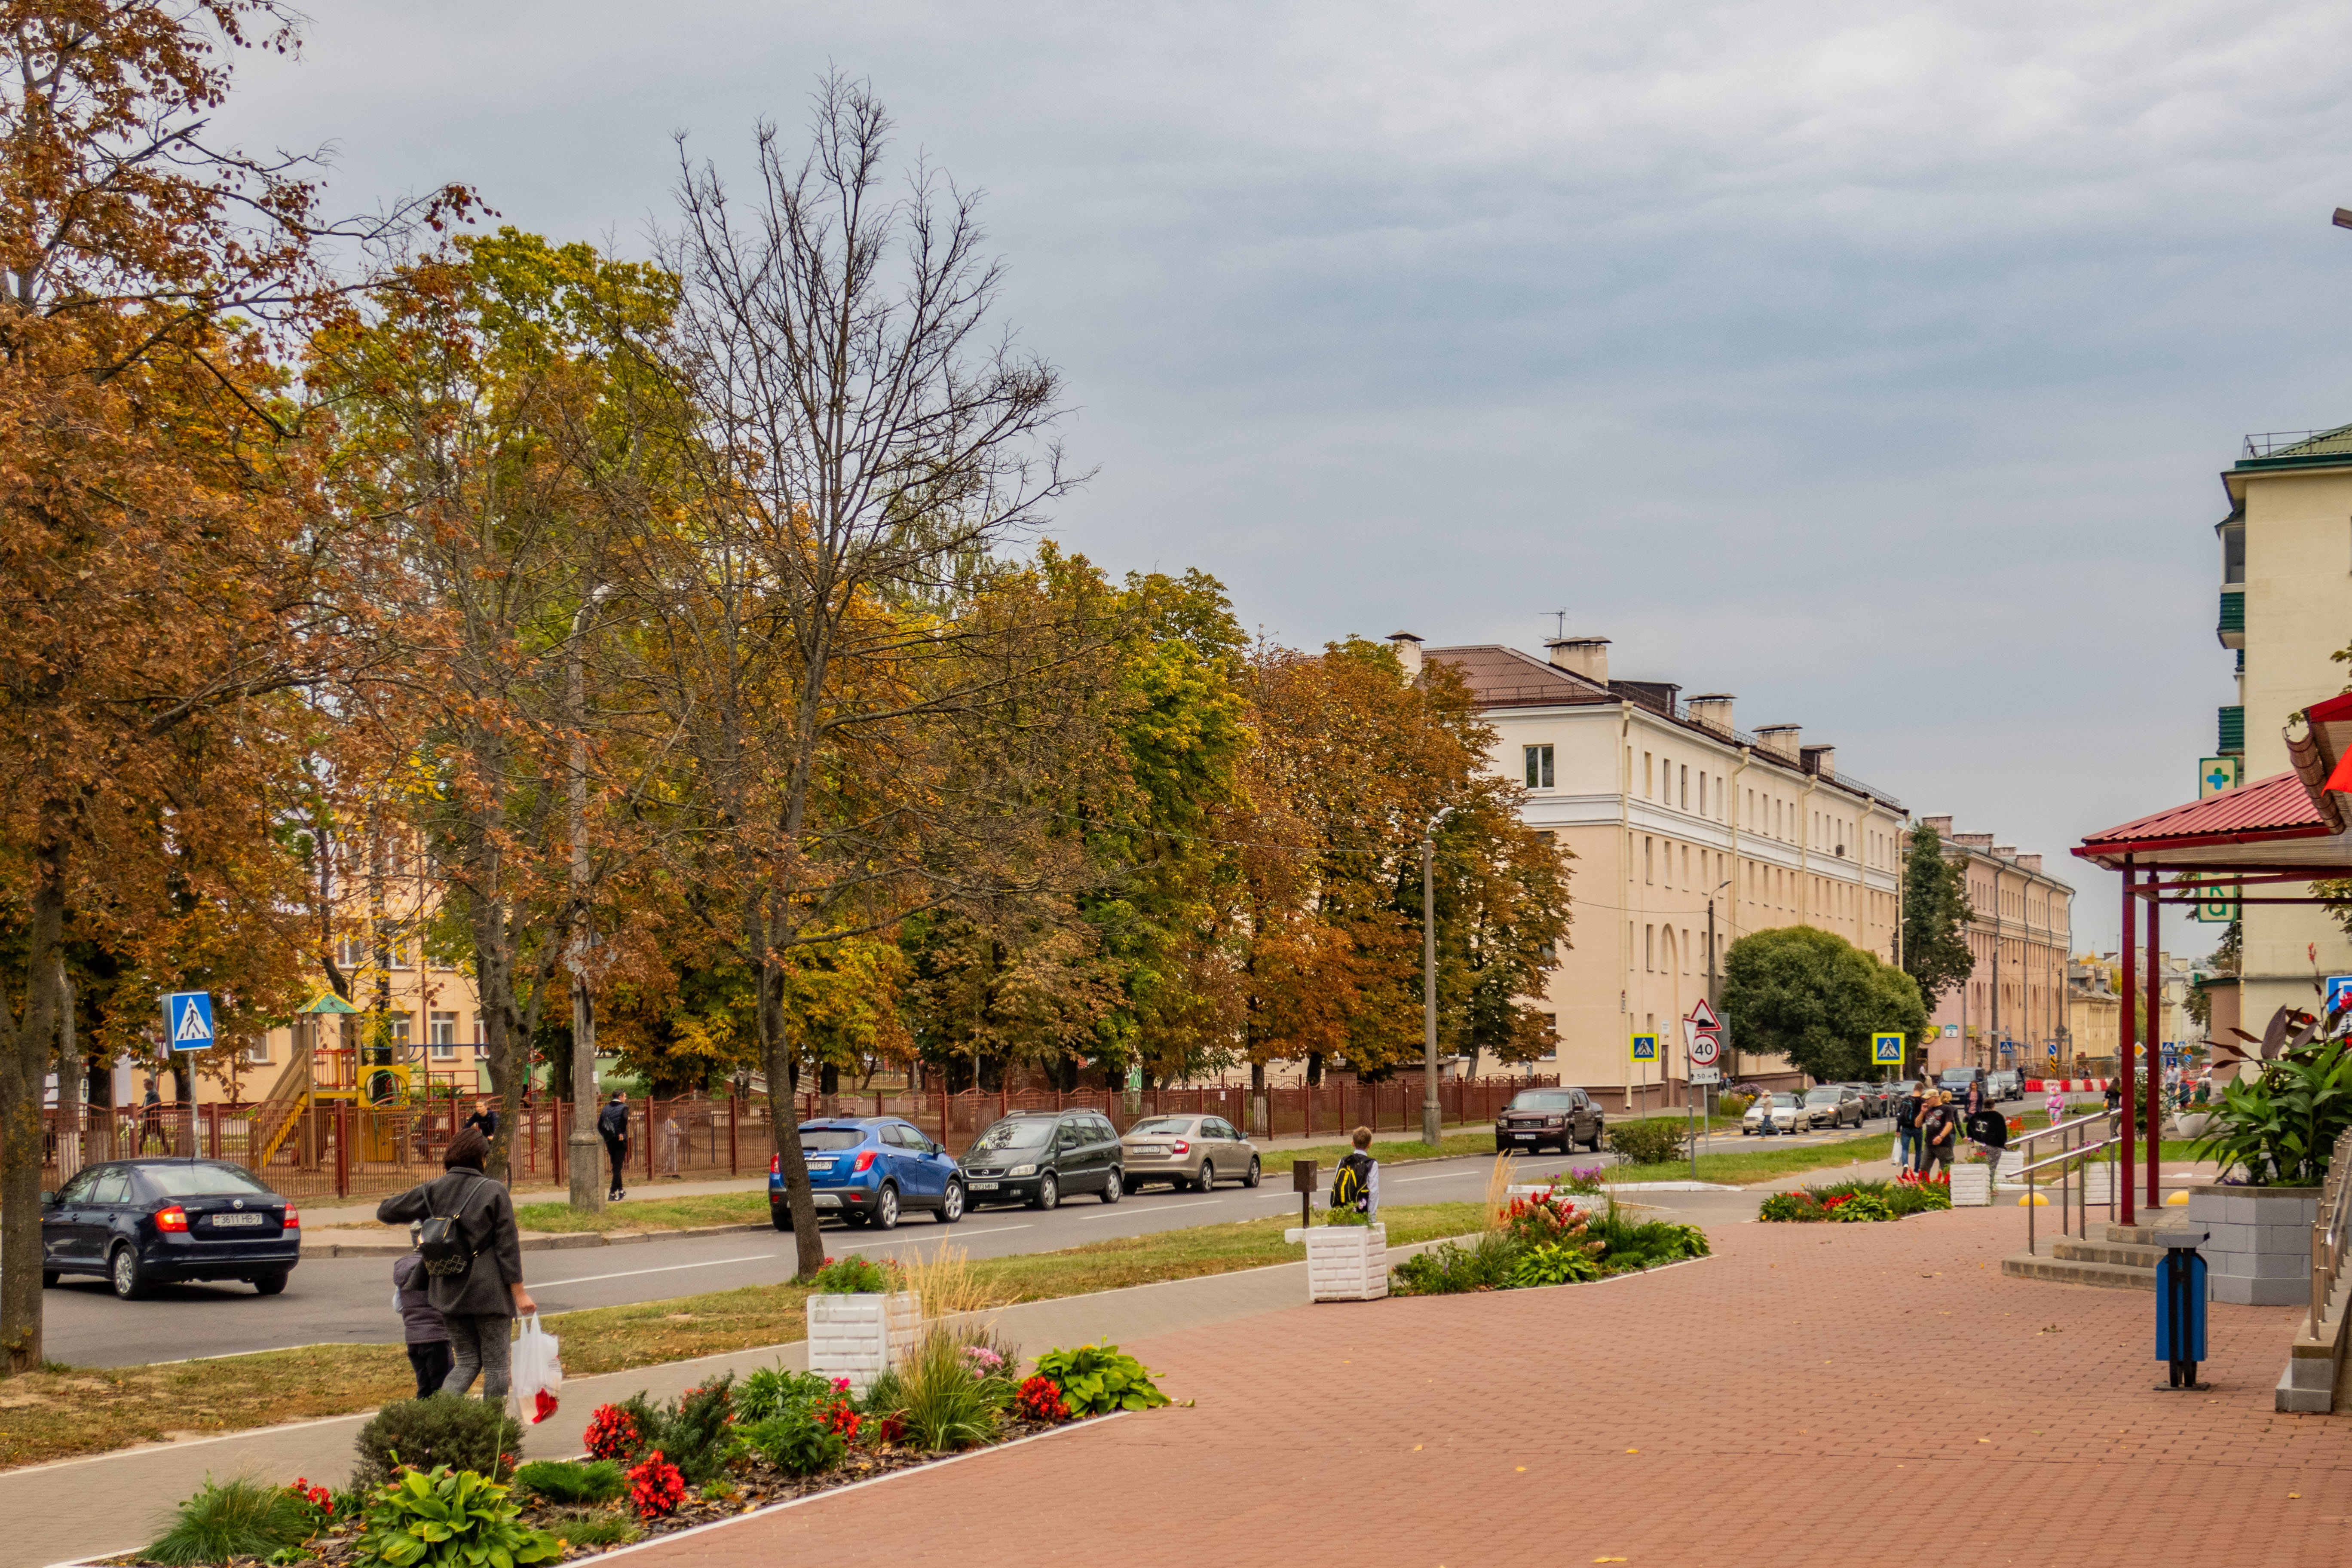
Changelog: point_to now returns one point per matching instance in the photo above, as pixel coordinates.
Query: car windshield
(1784, 1102)
(1823, 1096)
(1028, 1134)
(826, 1140)
(1959, 1080)
(201, 1180)
(1161, 1127)
(1544, 1099)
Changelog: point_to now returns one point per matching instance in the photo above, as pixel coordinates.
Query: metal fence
(344, 1150)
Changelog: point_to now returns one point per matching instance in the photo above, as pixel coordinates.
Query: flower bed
(1858, 1203)
(714, 1452)
(1544, 1239)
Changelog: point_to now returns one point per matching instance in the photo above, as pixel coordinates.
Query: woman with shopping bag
(473, 1254)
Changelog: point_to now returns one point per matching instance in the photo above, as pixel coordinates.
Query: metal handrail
(2328, 1231)
(2064, 1155)
(2066, 1126)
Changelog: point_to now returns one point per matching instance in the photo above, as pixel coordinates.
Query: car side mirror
(48, 1200)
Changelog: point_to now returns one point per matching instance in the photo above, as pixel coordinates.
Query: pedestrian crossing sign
(188, 1020)
(1645, 1048)
(1887, 1050)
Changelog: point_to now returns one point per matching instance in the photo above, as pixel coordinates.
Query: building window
(1649, 949)
(1538, 762)
(399, 1026)
(1685, 786)
(1649, 777)
(259, 1052)
(1551, 1040)
(1548, 955)
(1649, 861)
(350, 953)
(444, 1038)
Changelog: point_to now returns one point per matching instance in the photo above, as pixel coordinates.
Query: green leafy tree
(1936, 915)
(1815, 998)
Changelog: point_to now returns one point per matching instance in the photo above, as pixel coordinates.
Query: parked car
(2007, 1084)
(1195, 1152)
(1833, 1105)
(1562, 1118)
(1035, 1157)
(139, 1223)
(1874, 1100)
(1955, 1081)
(1784, 1114)
(869, 1169)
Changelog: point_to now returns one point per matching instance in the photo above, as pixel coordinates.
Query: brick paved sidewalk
(1840, 1395)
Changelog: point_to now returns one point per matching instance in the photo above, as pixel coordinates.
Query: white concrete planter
(2259, 1252)
(1344, 1262)
(1971, 1186)
(2191, 1123)
(861, 1336)
(2098, 1184)
(2010, 1171)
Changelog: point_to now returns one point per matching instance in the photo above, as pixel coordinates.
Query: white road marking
(951, 1234)
(1161, 1208)
(670, 1269)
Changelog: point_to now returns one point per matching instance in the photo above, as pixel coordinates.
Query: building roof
(1501, 676)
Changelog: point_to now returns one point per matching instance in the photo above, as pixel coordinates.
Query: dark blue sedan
(138, 1222)
(869, 1169)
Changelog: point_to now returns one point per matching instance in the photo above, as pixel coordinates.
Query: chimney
(1408, 653)
(2006, 851)
(1821, 760)
(1781, 739)
(1974, 841)
(1713, 710)
(1942, 824)
(1586, 656)
(2030, 862)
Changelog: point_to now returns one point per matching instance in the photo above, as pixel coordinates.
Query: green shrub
(1450, 1267)
(795, 1442)
(1790, 1208)
(1650, 1142)
(1628, 1245)
(562, 1481)
(1097, 1379)
(440, 1429)
(2279, 1127)
(773, 1391)
(692, 1431)
(1856, 1202)
(1861, 1209)
(449, 1519)
(229, 1520)
(941, 1404)
(585, 1528)
(1549, 1262)
(1734, 1104)
(854, 1276)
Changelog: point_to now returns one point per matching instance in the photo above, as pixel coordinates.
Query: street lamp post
(1429, 1118)
(582, 1149)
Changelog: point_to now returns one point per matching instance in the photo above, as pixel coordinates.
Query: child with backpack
(1357, 1183)
(421, 1324)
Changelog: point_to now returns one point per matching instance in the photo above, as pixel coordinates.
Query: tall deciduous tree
(1812, 996)
(1936, 917)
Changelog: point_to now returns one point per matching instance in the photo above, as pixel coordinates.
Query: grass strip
(60, 1412)
(652, 1214)
(1751, 1166)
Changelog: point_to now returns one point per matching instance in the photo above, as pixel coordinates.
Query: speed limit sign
(1704, 1047)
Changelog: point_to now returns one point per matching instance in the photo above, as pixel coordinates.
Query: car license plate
(984, 1186)
(1523, 1135)
(826, 1200)
(224, 1221)
(1150, 1151)
(820, 1164)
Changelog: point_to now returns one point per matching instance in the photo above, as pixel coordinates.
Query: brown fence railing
(340, 1150)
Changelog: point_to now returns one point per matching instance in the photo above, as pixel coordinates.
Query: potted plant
(2272, 1134)
(1347, 1256)
(860, 1323)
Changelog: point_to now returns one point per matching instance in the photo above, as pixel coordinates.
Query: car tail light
(865, 1161)
(292, 1221)
(1181, 1146)
(776, 1164)
(173, 1218)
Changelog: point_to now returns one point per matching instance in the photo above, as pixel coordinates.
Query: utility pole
(1429, 1118)
(582, 1149)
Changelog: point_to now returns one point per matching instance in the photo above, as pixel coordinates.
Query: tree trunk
(783, 1121)
(71, 1071)
(24, 1041)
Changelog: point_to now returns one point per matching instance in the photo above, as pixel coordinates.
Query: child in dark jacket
(427, 1335)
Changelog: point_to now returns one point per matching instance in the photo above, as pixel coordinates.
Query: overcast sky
(1873, 362)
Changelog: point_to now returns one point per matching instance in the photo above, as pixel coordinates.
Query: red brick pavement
(1840, 1395)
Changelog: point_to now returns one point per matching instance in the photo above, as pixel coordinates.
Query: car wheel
(49, 1278)
(1114, 1189)
(129, 1280)
(952, 1204)
(1049, 1194)
(1207, 1180)
(781, 1215)
(1599, 1131)
(1250, 1178)
(270, 1284)
(885, 1208)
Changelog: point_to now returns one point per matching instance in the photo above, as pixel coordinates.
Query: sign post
(1645, 1055)
(1702, 1047)
(188, 1026)
(1885, 1049)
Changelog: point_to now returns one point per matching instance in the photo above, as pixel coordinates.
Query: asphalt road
(349, 1300)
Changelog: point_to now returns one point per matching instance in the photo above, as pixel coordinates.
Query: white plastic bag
(538, 1372)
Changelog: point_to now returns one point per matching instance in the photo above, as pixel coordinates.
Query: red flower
(892, 1429)
(840, 1418)
(612, 1433)
(1040, 1399)
(655, 1486)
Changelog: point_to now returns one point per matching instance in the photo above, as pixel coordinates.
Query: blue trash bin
(2181, 1292)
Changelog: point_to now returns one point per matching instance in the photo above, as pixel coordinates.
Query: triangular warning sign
(1702, 1016)
(192, 1023)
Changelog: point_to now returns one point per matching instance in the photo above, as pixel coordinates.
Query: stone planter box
(1344, 1262)
(861, 1336)
(2191, 1123)
(2259, 1253)
(1971, 1186)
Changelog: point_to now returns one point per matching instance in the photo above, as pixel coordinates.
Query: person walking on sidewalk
(1938, 1133)
(421, 1324)
(613, 1127)
(1907, 1129)
(484, 1293)
(1357, 1182)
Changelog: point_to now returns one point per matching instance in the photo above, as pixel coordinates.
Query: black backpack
(1347, 1188)
(441, 1241)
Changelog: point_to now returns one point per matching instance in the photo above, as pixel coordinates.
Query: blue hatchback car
(869, 1169)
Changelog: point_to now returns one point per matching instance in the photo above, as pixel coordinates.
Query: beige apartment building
(2094, 1009)
(2011, 1012)
(2286, 566)
(1688, 834)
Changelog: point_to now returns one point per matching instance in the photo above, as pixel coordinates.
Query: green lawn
(1746, 1166)
(650, 1214)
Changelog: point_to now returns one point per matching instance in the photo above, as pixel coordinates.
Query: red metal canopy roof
(2288, 821)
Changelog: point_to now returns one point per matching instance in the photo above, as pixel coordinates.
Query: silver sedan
(1195, 1152)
